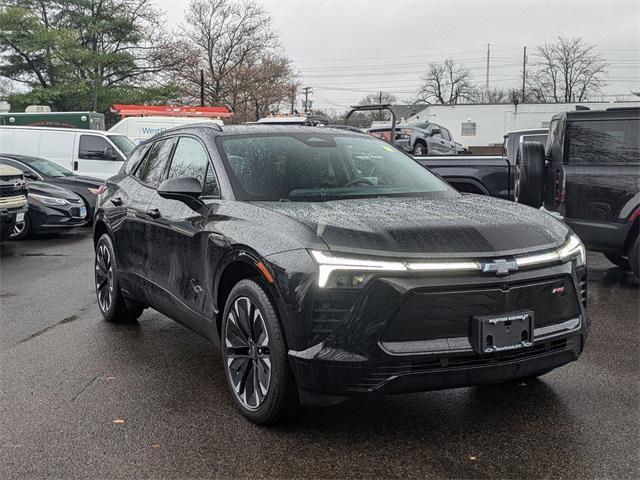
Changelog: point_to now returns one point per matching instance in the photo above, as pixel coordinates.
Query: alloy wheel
(247, 353)
(18, 228)
(516, 189)
(104, 277)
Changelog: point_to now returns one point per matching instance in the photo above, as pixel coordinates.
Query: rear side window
(151, 171)
(445, 134)
(603, 142)
(92, 147)
(190, 159)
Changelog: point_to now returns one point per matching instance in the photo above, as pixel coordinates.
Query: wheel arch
(239, 264)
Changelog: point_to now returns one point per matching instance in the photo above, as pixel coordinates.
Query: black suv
(589, 174)
(327, 263)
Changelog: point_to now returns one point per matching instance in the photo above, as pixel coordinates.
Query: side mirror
(30, 175)
(184, 189)
(435, 132)
(109, 154)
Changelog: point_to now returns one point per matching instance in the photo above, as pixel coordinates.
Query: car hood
(49, 190)
(462, 226)
(78, 181)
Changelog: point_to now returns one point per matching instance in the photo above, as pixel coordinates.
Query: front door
(97, 157)
(178, 236)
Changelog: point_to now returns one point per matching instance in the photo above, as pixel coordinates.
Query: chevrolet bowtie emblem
(500, 266)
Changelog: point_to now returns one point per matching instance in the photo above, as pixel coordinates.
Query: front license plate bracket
(502, 332)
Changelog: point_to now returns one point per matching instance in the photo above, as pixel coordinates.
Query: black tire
(420, 149)
(23, 233)
(618, 260)
(111, 303)
(634, 257)
(274, 397)
(529, 176)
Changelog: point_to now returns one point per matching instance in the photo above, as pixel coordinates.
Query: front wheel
(112, 304)
(255, 356)
(634, 257)
(21, 230)
(420, 149)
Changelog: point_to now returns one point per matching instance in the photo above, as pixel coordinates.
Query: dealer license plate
(498, 333)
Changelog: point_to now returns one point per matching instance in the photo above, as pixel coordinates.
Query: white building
(481, 125)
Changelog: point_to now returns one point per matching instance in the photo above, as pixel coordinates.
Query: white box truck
(85, 152)
(140, 129)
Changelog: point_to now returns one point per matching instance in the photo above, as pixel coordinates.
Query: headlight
(47, 200)
(328, 263)
(572, 249)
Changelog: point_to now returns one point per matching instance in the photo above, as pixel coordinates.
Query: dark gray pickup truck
(484, 174)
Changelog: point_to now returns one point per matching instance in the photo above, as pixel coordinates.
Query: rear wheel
(112, 304)
(634, 257)
(529, 174)
(255, 356)
(618, 260)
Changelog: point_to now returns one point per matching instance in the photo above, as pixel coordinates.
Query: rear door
(601, 175)
(178, 238)
(97, 156)
(449, 144)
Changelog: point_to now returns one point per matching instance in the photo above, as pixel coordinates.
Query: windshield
(48, 169)
(603, 142)
(123, 143)
(317, 167)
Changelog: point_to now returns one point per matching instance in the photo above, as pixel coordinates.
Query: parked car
(589, 174)
(139, 129)
(419, 138)
(326, 263)
(51, 209)
(84, 152)
(13, 199)
(44, 170)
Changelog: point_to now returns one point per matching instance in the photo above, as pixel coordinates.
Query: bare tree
(447, 83)
(376, 99)
(225, 35)
(566, 71)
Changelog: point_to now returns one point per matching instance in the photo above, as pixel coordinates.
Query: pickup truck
(13, 199)
(483, 174)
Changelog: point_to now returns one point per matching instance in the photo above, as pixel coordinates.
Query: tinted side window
(93, 147)
(134, 160)
(151, 171)
(603, 142)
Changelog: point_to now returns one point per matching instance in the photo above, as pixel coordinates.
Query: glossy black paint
(182, 259)
(47, 218)
(598, 198)
(77, 184)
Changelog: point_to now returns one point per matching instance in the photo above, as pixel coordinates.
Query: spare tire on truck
(529, 175)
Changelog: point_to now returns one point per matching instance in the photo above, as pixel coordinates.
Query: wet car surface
(67, 376)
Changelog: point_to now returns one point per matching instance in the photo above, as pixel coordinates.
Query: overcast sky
(346, 49)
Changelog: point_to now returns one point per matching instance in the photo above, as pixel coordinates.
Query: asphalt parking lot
(81, 398)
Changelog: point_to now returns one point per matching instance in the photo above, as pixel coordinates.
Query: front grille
(386, 371)
(436, 315)
(329, 310)
(11, 192)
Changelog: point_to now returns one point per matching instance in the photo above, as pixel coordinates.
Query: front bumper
(412, 334)
(48, 218)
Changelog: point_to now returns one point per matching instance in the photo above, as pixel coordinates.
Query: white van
(85, 152)
(140, 129)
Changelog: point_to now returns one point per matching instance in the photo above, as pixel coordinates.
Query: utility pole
(380, 101)
(307, 92)
(488, 57)
(201, 87)
(94, 95)
(524, 74)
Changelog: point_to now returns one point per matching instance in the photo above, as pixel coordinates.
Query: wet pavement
(81, 398)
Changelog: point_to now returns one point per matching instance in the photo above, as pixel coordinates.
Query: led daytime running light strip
(327, 263)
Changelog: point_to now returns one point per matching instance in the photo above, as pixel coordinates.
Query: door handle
(117, 201)
(155, 213)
